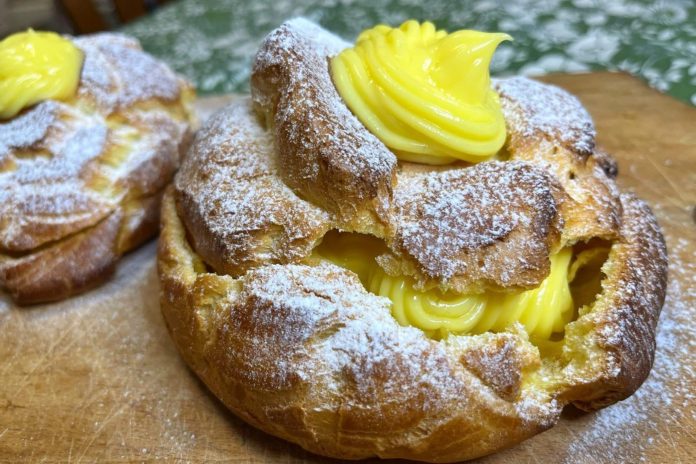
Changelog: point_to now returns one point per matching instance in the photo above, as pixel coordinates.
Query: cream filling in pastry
(544, 311)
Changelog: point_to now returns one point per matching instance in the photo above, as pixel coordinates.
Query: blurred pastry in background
(91, 132)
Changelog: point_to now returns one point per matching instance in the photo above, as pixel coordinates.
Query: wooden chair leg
(129, 10)
(84, 16)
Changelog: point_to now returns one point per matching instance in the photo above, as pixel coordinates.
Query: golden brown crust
(305, 353)
(60, 270)
(620, 329)
(301, 350)
(70, 169)
(81, 261)
(140, 222)
(467, 227)
(549, 128)
(39, 203)
(324, 152)
(237, 209)
(239, 214)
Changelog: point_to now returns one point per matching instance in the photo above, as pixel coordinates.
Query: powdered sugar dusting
(290, 305)
(70, 157)
(317, 332)
(317, 135)
(445, 218)
(28, 128)
(312, 335)
(327, 43)
(117, 73)
(241, 210)
(531, 107)
(50, 146)
(54, 175)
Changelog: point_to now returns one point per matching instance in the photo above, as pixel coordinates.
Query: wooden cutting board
(96, 378)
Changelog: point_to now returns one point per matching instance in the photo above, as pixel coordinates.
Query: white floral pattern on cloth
(213, 41)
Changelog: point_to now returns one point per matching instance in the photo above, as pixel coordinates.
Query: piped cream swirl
(426, 94)
(36, 66)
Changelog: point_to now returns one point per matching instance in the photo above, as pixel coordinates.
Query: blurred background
(71, 16)
(212, 42)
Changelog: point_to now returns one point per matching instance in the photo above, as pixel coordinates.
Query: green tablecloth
(212, 42)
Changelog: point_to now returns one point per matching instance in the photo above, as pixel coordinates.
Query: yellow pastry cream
(36, 66)
(424, 93)
(543, 311)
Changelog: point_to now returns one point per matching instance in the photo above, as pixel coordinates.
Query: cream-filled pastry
(91, 130)
(383, 252)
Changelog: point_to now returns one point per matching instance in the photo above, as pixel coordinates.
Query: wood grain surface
(96, 378)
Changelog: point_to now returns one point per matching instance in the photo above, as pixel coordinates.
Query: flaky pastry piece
(81, 181)
(298, 347)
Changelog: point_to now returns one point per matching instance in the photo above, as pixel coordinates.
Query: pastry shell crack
(306, 354)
